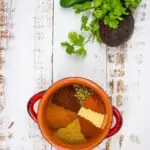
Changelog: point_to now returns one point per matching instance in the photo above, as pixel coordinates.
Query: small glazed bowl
(43, 97)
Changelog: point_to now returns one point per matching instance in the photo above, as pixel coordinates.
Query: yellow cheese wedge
(94, 117)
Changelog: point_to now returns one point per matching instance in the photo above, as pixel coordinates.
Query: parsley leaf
(115, 14)
(81, 51)
(98, 37)
(132, 4)
(97, 3)
(84, 21)
(69, 47)
(92, 27)
(76, 39)
(83, 7)
(99, 13)
(76, 45)
(111, 21)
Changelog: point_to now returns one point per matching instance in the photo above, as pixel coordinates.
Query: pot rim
(50, 137)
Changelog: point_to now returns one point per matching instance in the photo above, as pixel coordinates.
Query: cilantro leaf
(107, 6)
(115, 14)
(95, 30)
(76, 39)
(81, 51)
(97, 3)
(119, 11)
(132, 4)
(92, 27)
(83, 7)
(69, 47)
(76, 45)
(98, 38)
(84, 21)
(111, 21)
(99, 13)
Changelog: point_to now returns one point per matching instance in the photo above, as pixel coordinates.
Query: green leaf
(81, 51)
(108, 6)
(119, 11)
(65, 44)
(97, 3)
(76, 39)
(69, 47)
(67, 3)
(94, 25)
(111, 21)
(83, 7)
(115, 15)
(84, 21)
(99, 13)
(98, 38)
(70, 3)
(132, 4)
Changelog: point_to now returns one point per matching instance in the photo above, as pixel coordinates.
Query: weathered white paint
(35, 59)
(26, 80)
(129, 84)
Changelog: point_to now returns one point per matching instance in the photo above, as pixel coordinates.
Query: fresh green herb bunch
(111, 12)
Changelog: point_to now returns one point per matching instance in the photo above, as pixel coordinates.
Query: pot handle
(118, 124)
(31, 103)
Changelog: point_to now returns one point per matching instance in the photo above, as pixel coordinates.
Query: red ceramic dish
(48, 134)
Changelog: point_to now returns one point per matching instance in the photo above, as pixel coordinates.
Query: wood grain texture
(5, 35)
(34, 60)
(124, 67)
(27, 72)
(42, 61)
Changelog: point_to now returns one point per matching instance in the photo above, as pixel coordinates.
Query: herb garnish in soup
(75, 114)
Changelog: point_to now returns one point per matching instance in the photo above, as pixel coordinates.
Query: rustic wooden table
(34, 60)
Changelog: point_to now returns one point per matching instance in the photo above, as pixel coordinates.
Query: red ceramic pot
(43, 97)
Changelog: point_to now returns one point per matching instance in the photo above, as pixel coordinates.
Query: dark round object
(116, 37)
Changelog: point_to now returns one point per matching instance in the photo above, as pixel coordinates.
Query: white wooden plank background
(34, 60)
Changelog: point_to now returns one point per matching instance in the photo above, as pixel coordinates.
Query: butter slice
(95, 118)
